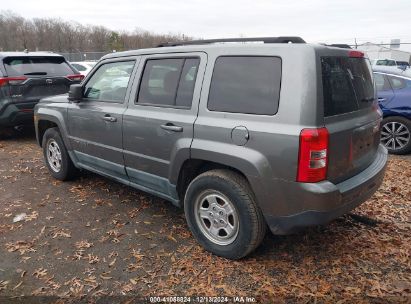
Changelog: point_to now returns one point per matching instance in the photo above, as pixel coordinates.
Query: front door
(158, 124)
(95, 123)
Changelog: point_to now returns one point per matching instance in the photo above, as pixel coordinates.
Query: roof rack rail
(340, 45)
(283, 39)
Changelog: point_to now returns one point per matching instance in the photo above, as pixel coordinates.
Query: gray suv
(25, 78)
(241, 135)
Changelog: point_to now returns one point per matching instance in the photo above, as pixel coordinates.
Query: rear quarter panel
(271, 153)
(400, 105)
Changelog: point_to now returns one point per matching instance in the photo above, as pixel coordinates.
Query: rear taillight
(75, 77)
(12, 80)
(313, 155)
(356, 54)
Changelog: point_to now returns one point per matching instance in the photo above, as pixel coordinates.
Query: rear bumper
(322, 202)
(14, 114)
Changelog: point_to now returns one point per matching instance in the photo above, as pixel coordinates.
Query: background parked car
(394, 96)
(84, 67)
(392, 63)
(25, 78)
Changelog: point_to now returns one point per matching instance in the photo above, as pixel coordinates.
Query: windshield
(347, 85)
(42, 66)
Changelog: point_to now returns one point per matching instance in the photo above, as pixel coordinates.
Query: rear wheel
(396, 134)
(222, 214)
(55, 154)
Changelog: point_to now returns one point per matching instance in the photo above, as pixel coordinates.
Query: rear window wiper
(36, 73)
(368, 99)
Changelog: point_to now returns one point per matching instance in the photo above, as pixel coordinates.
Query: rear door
(158, 124)
(38, 77)
(95, 123)
(351, 114)
(385, 92)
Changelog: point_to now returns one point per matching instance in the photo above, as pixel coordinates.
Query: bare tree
(47, 34)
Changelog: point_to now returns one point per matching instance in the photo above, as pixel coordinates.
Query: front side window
(109, 82)
(168, 82)
(245, 84)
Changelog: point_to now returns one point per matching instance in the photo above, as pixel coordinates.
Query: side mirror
(75, 93)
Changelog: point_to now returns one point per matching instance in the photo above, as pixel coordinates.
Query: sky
(332, 21)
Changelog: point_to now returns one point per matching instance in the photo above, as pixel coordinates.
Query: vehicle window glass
(386, 62)
(347, 85)
(168, 82)
(47, 66)
(187, 81)
(397, 83)
(403, 63)
(381, 82)
(249, 85)
(109, 82)
(79, 67)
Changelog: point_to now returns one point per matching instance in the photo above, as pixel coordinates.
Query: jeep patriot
(243, 136)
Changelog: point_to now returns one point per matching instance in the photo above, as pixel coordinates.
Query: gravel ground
(94, 238)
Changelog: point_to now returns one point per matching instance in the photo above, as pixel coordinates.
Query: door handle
(171, 127)
(109, 118)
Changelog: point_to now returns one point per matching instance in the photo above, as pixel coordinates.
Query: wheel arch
(193, 167)
(49, 118)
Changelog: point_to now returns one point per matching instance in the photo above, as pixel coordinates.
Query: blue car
(394, 97)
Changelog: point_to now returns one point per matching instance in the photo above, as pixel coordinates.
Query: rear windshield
(347, 85)
(38, 66)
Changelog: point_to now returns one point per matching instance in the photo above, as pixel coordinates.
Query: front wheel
(396, 134)
(222, 214)
(55, 154)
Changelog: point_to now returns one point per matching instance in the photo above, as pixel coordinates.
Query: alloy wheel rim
(395, 135)
(54, 155)
(217, 217)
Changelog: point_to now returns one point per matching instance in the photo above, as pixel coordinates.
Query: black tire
(235, 188)
(67, 169)
(386, 126)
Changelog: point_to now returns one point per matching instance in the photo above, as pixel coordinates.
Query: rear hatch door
(351, 114)
(38, 77)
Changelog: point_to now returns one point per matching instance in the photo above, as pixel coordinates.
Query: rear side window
(381, 82)
(386, 62)
(347, 85)
(40, 66)
(79, 67)
(249, 85)
(169, 82)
